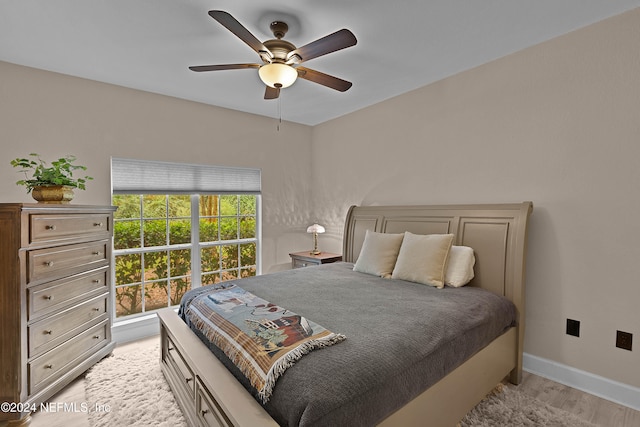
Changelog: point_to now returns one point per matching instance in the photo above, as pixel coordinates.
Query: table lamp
(315, 229)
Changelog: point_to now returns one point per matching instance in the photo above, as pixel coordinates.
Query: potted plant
(50, 183)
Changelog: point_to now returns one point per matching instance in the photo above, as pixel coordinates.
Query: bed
(210, 394)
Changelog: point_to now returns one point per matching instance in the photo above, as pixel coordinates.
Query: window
(166, 244)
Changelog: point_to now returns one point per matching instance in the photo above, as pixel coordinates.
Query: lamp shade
(277, 75)
(315, 228)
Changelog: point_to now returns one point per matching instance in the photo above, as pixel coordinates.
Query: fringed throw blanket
(260, 338)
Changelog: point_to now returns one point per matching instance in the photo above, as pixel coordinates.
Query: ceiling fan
(280, 59)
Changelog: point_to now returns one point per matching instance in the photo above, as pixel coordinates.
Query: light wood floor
(591, 408)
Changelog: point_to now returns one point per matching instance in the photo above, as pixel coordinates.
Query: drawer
(60, 227)
(52, 331)
(52, 296)
(209, 412)
(176, 362)
(299, 263)
(61, 261)
(45, 369)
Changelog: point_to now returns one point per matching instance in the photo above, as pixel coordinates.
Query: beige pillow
(460, 266)
(378, 254)
(423, 258)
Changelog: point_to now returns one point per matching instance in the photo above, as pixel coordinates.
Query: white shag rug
(507, 407)
(130, 390)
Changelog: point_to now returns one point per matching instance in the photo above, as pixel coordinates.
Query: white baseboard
(135, 329)
(605, 388)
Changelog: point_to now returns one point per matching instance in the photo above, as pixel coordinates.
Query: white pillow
(423, 258)
(378, 254)
(460, 266)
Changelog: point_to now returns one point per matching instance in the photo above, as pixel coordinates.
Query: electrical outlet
(573, 327)
(624, 340)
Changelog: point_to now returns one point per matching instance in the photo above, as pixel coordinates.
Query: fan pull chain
(279, 112)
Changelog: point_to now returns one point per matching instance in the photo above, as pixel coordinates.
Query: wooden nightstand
(305, 259)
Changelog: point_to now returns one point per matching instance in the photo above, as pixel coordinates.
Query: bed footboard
(191, 370)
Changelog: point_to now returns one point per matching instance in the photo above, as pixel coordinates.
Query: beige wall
(558, 124)
(54, 115)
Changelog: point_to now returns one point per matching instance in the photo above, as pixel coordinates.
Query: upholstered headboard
(496, 232)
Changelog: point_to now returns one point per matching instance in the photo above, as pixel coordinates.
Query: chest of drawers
(55, 299)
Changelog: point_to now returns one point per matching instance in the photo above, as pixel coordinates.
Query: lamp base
(315, 250)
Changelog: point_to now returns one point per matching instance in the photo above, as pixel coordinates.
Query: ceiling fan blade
(331, 43)
(200, 68)
(323, 79)
(240, 31)
(271, 92)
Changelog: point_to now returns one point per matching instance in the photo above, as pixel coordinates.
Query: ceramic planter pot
(53, 194)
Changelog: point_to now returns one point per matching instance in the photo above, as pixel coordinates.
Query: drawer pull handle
(170, 348)
(49, 263)
(96, 309)
(48, 297)
(48, 332)
(48, 366)
(204, 412)
(188, 380)
(97, 224)
(96, 281)
(96, 253)
(96, 337)
(50, 227)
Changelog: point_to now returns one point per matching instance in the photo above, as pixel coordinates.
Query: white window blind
(132, 176)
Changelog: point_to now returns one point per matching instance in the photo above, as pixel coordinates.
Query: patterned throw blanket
(260, 338)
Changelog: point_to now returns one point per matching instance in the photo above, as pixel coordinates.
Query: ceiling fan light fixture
(278, 75)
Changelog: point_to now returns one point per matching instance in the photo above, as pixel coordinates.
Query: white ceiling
(402, 45)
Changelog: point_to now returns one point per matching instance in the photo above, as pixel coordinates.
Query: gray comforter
(402, 337)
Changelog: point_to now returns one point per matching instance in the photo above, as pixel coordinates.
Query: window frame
(195, 246)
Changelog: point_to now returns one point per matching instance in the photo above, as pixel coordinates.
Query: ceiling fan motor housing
(280, 49)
